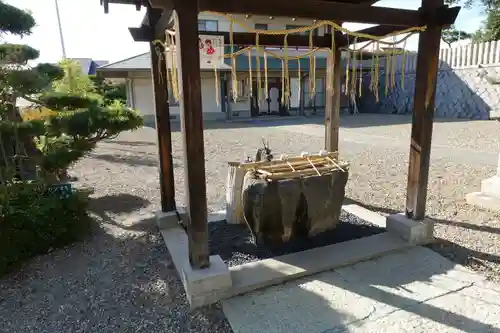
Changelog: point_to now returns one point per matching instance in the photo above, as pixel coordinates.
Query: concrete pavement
(416, 290)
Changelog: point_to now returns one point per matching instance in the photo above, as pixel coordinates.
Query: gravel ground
(122, 279)
(234, 243)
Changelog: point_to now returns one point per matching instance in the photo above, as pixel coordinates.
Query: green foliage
(32, 222)
(96, 123)
(75, 120)
(74, 81)
(17, 53)
(80, 111)
(64, 101)
(29, 81)
(50, 71)
(70, 137)
(109, 90)
(15, 21)
(30, 128)
(453, 35)
(471, 3)
(61, 152)
(26, 81)
(491, 26)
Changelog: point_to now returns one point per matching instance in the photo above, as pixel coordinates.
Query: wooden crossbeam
(245, 38)
(142, 34)
(146, 34)
(334, 11)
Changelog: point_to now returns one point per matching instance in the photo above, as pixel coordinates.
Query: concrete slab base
(206, 286)
(483, 200)
(429, 293)
(491, 186)
(268, 272)
(202, 286)
(489, 197)
(219, 281)
(167, 220)
(366, 214)
(414, 232)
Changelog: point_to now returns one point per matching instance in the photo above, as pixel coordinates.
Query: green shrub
(33, 223)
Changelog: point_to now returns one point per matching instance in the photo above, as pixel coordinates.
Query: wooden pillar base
(188, 57)
(423, 115)
(163, 130)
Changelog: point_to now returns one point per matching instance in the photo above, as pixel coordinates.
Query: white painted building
(137, 73)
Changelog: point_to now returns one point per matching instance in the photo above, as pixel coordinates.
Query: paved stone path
(414, 291)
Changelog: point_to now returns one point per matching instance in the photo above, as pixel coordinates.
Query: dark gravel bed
(235, 245)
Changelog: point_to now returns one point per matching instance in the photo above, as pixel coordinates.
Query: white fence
(484, 53)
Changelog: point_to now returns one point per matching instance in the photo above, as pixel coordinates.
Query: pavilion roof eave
(339, 11)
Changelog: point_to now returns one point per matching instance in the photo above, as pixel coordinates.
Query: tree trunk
(19, 152)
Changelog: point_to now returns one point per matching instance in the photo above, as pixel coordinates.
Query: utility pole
(60, 29)
(63, 47)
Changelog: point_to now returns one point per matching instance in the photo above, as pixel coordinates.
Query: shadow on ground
(115, 281)
(132, 143)
(451, 250)
(128, 280)
(372, 280)
(108, 209)
(132, 160)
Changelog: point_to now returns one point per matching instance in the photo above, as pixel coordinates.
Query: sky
(89, 33)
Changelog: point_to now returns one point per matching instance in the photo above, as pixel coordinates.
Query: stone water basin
(299, 205)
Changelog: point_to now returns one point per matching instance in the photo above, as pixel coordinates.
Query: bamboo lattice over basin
(300, 166)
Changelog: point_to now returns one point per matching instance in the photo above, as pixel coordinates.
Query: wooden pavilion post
(163, 130)
(332, 103)
(423, 113)
(188, 57)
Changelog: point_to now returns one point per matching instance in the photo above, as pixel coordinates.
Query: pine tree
(77, 120)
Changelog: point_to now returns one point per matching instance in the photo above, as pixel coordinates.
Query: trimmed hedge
(33, 223)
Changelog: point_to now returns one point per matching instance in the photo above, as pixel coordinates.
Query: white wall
(142, 98)
(277, 23)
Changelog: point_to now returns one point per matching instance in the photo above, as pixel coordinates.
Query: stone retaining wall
(461, 93)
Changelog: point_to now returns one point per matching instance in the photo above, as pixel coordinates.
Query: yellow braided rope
(372, 69)
(377, 74)
(299, 92)
(354, 76)
(311, 67)
(266, 85)
(234, 78)
(282, 82)
(250, 72)
(330, 80)
(168, 78)
(217, 93)
(286, 92)
(360, 79)
(390, 56)
(259, 78)
(315, 26)
(314, 76)
(348, 64)
(403, 67)
(387, 74)
(394, 68)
